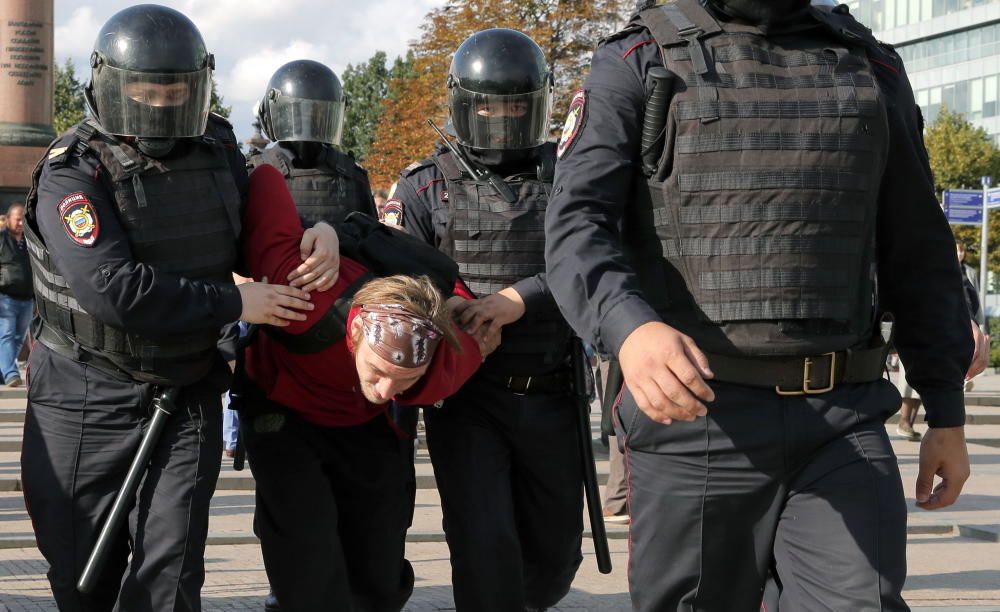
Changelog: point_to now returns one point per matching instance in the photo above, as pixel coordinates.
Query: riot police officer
(736, 185)
(133, 223)
(303, 112)
(503, 448)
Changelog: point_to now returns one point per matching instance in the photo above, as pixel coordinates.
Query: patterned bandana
(399, 336)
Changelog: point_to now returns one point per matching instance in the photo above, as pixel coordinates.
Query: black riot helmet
(758, 11)
(304, 102)
(151, 76)
(500, 91)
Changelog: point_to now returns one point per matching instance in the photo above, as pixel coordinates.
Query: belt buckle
(806, 371)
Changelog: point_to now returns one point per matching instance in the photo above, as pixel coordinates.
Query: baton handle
(659, 84)
(163, 406)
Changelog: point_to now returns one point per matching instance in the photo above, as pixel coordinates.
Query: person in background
(15, 294)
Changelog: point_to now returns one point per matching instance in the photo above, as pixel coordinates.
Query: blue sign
(964, 206)
(993, 198)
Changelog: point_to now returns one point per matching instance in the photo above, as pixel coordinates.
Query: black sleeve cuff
(945, 408)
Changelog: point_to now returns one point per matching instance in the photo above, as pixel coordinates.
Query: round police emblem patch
(575, 119)
(79, 219)
(392, 213)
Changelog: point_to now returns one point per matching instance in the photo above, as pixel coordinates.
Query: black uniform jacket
(105, 278)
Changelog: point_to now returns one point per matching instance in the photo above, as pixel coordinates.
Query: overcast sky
(252, 38)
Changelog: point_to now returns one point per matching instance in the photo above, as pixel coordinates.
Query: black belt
(810, 375)
(554, 382)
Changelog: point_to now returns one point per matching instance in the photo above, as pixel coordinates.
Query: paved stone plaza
(954, 555)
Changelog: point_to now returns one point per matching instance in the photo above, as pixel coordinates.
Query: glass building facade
(951, 49)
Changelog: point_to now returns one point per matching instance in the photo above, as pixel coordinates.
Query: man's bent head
(400, 323)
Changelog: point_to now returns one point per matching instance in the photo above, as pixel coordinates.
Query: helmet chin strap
(156, 147)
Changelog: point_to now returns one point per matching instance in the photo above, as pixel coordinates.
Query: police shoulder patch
(392, 213)
(79, 219)
(576, 117)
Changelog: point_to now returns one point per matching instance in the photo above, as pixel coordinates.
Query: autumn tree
(68, 101)
(960, 154)
(366, 86)
(566, 30)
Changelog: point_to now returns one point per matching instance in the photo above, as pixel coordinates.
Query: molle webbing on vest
(777, 109)
(817, 210)
(763, 245)
(767, 191)
(771, 81)
(744, 52)
(523, 270)
(497, 244)
(769, 141)
(335, 188)
(767, 178)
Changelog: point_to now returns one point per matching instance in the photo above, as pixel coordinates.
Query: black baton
(659, 87)
(163, 407)
(590, 487)
(240, 452)
(612, 388)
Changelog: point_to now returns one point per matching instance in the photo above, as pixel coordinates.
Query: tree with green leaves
(366, 86)
(216, 103)
(68, 101)
(960, 154)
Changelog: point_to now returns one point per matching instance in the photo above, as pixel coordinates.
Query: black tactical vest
(181, 215)
(758, 236)
(335, 188)
(15, 269)
(497, 244)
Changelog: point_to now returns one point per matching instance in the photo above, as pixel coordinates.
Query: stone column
(26, 84)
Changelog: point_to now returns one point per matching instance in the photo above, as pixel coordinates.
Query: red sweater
(323, 387)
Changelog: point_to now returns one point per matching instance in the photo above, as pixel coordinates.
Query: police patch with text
(576, 118)
(79, 219)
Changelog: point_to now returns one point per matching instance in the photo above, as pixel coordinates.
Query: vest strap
(331, 328)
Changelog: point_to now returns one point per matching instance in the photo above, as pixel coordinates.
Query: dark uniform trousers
(333, 507)
(82, 429)
(806, 485)
(508, 470)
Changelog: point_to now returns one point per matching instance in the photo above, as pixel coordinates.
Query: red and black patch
(79, 219)
(576, 118)
(392, 213)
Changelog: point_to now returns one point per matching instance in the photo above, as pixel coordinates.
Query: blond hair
(416, 294)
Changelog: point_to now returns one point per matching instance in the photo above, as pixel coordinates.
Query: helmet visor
(305, 120)
(500, 122)
(152, 105)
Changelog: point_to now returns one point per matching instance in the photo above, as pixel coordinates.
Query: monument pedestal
(26, 87)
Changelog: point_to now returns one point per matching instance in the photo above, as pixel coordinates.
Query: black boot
(271, 603)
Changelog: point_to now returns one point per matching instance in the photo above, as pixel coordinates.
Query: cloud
(252, 38)
(246, 80)
(74, 38)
